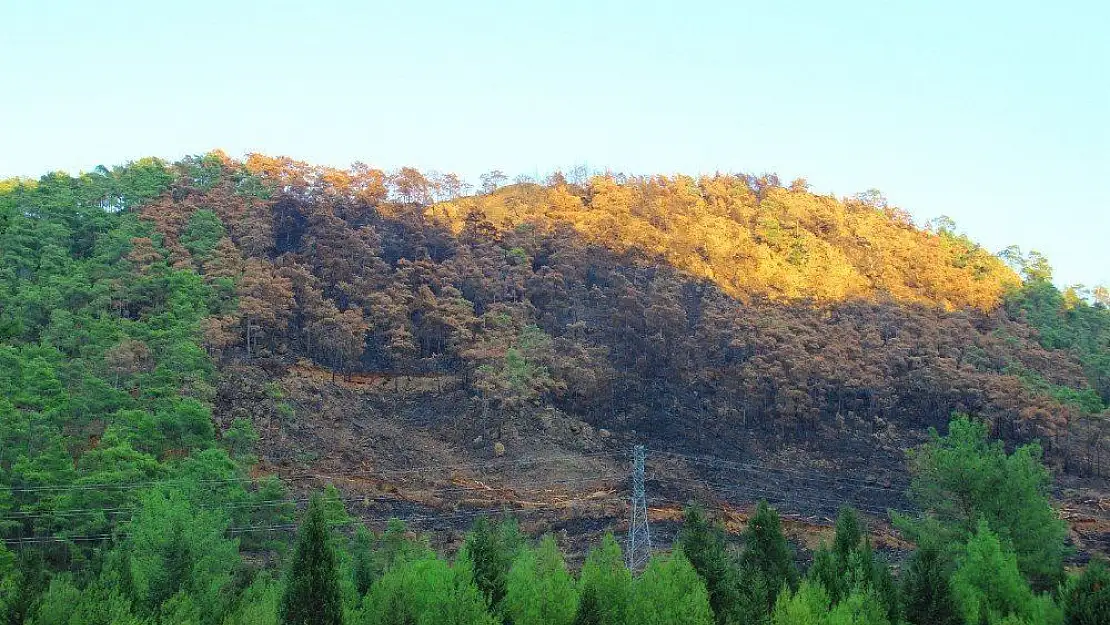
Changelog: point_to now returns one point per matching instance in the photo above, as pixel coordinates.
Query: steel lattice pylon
(639, 534)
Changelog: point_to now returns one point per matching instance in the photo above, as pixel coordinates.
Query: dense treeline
(979, 561)
(105, 381)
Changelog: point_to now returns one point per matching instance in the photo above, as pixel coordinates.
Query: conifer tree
(848, 533)
(1086, 598)
(362, 559)
(957, 479)
(883, 588)
(988, 586)
(7, 579)
(767, 562)
(61, 600)
(590, 606)
(25, 587)
(425, 590)
(335, 511)
(488, 553)
(177, 548)
(605, 586)
(860, 607)
(312, 595)
(809, 605)
(259, 604)
(703, 543)
(832, 565)
(826, 571)
(669, 592)
(395, 546)
(927, 591)
(850, 566)
(539, 590)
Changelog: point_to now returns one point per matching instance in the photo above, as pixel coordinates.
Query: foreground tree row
(979, 559)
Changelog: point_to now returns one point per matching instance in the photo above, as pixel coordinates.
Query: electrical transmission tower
(639, 534)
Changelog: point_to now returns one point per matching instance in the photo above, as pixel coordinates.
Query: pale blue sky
(992, 112)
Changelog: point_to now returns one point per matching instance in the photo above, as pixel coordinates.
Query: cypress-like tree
(849, 533)
(988, 586)
(488, 552)
(703, 543)
(851, 567)
(312, 594)
(425, 591)
(539, 590)
(7, 579)
(827, 572)
(845, 565)
(590, 608)
(605, 586)
(669, 592)
(362, 560)
(767, 561)
(872, 575)
(927, 591)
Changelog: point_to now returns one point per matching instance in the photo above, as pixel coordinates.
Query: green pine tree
(362, 560)
(335, 511)
(203, 231)
(957, 479)
(539, 590)
(927, 591)
(175, 548)
(828, 573)
(703, 543)
(868, 574)
(669, 592)
(809, 605)
(849, 533)
(312, 595)
(850, 566)
(837, 568)
(1086, 597)
(605, 585)
(7, 579)
(396, 546)
(259, 604)
(989, 587)
(25, 587)
(425, 591)
(767, 563)
(488, 554)
(860, 607)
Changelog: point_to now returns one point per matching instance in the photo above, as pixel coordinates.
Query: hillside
(360, 323)
(754, 238)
